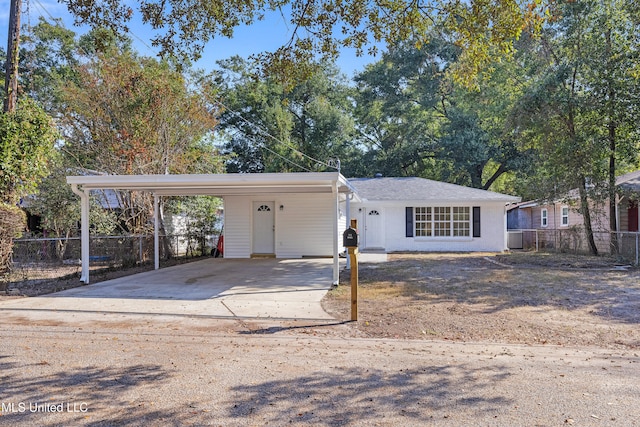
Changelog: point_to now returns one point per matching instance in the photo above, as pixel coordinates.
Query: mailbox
(350, 238)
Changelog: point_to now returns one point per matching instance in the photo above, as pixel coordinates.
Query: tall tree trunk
(612, 125)
(166, 242)
(613, 220)
(586, 214)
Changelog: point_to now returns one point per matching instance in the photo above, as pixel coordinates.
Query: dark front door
(632, 213)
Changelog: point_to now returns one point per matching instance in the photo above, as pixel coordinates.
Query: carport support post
(156, 228)
(336, 213)
(84, 232)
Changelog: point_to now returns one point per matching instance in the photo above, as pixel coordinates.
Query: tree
(480, 27)
(27, 139)
(614, 88)
(48, 60)
(479, 138)
(582, 100)
(415, 121)
(397, 108)
(59, 209)
(130, 115)
(274, 129)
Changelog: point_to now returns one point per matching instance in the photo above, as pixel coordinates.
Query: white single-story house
(295, 215)
(417, 214)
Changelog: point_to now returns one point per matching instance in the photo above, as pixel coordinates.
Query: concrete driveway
(224, 288)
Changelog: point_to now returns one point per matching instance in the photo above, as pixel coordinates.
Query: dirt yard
(526, 298)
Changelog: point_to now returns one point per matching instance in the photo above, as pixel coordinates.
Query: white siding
(237, 227)
(304, 226)
(492, 226)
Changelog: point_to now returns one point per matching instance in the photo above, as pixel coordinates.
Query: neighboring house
(417, 214)
(559, 223)
(628, 216)
(108, 199)
(179, 225)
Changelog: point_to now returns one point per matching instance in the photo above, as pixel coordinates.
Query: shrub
(12, 224)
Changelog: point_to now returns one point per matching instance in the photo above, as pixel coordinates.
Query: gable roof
(629, 181)
(413, 189)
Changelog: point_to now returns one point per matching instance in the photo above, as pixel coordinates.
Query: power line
(265, 133)
(44, 9)
(274, 152)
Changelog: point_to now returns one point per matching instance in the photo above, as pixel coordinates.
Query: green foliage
(415, 121)
(483, 28)
(397, 108)
(202, 213)
(582, 103)
(12, 224)
(268, 127)
(47, 61)
(582, 107)
(132, 115)
(59, 207)
(201, 218)
(27, 138)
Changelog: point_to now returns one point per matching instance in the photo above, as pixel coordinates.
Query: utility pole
(11, 66)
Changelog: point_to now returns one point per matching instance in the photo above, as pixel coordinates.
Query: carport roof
(218, 184)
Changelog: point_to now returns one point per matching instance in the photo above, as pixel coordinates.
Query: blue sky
(262, 36)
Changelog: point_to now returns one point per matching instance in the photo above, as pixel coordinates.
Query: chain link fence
(50, 258)
(623, 245)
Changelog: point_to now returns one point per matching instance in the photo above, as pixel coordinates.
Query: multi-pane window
(461, 221)
(442, 221)
(424, 222)
(565, 216)
(544, 217)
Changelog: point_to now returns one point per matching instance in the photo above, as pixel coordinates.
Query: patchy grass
(519, 298)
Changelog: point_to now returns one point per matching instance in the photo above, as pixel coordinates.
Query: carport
(331, 185)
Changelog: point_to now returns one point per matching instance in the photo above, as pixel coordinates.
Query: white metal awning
(212, 185)
(218, 184)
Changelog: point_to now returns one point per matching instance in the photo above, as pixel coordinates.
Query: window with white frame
(564, 218)
(544, 217)
(442, 221)
(423, 222)
(461, 221)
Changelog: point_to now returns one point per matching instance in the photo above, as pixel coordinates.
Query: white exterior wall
(304, 226)
(492, 229)
(237, 227)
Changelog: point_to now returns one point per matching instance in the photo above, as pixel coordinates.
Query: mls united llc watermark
(33, 407)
